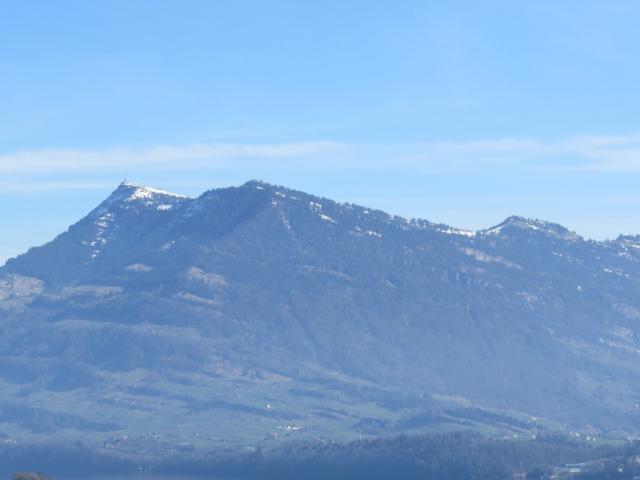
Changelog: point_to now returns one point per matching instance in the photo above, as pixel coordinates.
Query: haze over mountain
(256, 312)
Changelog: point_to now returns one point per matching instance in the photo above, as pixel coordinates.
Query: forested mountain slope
(259, 312)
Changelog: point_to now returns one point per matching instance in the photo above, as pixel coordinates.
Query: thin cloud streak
(578, 153)
(162, 156)
(46, 186)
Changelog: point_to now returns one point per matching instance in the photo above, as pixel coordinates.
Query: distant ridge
(515, 221)
(255, 313)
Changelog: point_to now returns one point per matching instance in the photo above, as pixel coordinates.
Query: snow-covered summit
(132, 191)
(531, 225)
(130, 195)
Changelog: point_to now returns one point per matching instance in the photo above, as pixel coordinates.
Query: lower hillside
(441, 457)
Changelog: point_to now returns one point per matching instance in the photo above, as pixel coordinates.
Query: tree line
(455, 456)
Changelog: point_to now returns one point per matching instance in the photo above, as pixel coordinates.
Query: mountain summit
(129, 193)
(257, 312)
(515, 222)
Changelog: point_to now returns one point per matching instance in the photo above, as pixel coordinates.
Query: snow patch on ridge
(457, 231)
(486, 258)
(102, 223)
(327, 218)
(141, 192)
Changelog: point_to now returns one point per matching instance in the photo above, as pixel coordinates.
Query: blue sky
(462, 112)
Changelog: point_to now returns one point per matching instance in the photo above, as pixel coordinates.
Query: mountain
(256, 313)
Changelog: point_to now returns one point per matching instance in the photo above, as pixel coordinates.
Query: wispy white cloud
(161, 156)
(28, 186)
(608, 153)
(585, 153)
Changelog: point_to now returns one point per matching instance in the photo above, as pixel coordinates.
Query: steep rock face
(261, 282)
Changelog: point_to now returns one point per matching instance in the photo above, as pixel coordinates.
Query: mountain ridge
(514, 219)
(344, 320)
(127, 191)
